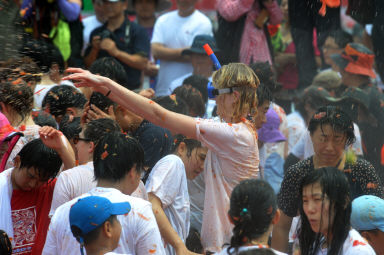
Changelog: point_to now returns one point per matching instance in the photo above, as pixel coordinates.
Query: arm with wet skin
(140, 105)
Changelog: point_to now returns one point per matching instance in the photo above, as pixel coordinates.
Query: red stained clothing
(30, 218)
(254, 45)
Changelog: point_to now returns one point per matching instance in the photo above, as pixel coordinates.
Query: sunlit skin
(316, 207)
(84, 150)
(328, 146)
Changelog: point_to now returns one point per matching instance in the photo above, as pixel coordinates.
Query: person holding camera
(121, 39)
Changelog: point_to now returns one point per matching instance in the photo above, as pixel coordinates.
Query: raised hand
(84, 78)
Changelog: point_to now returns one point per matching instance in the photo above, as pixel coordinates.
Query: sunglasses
(76, 139)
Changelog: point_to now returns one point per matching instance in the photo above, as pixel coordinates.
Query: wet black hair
(335, 187)
(100, 101)
(5, 243)
(44, 54)
(191, 144)
(173, 103)
(200, 83)
(60, 98)
(18, 95)
(95, 129)
(336, 118)
(70, 128)
(263, 95)
(252, 207)
(193, 98)
(258, 251)
(115, 155)
(111, 68)
(42, 119)
(24, 68)
(94, 234)
(266, 75)
(341, 37)
(45, 160)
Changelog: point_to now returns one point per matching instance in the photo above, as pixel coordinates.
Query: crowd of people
(120, 134)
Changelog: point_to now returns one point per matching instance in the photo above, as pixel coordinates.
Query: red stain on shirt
(357, 243)
(143, 217)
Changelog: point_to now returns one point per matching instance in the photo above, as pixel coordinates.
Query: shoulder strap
(11, 145)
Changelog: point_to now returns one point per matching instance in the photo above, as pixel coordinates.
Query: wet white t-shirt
(168, 181)
(139, 233)
(246, 248)
(76, 181)
(232, 156)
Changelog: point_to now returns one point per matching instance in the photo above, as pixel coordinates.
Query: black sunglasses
(76, 139)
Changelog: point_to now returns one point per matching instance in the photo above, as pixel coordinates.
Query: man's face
(185, 5)
(114, 9)
(145, 8)
(201, 60)
(99, 11)
(261, 118)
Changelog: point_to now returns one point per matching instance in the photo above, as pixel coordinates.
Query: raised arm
(146, 108)
(231, 10)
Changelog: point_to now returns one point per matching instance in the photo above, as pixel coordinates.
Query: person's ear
(17, 161)
(108, 229)
(276, 217)
(92, 147)
(181, 149)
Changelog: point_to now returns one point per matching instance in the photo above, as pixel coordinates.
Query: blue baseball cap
(368, 213)
(88, 213)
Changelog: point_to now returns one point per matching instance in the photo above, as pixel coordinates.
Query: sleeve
(369, 181)
(231, 10)
(165, 179)
(141, 41)
(220, 137)
(276, 15)
(61, 193)
(157, 35)
(148, 234)
(288, 196)
(51, 246)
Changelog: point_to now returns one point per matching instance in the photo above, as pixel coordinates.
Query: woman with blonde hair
(232, 142)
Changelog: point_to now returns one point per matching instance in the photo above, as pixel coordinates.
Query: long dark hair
(252, 208)
(335, 186)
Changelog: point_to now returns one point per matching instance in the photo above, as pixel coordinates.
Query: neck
(115, 22)
(47, 79)
(96, 249)
(186, 13)
(263, 240)
(17, 121)
(147, 22)
(109, 184)
(205, 71)
(339, 164)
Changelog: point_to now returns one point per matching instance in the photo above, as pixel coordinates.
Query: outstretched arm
(146, 108)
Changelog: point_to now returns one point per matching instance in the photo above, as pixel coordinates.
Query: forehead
(312, 189)
(327, 130)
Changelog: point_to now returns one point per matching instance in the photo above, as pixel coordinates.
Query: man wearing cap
(368, 218)
(118, 161)
(119, 38)
(95, 225)
(173, 33)
(201, 62)
(356, 68)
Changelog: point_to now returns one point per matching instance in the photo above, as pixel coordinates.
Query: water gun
(212, 92)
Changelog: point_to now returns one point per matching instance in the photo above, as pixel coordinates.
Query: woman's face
(328, 145)
(194, 163)
(225, 104)
(316, 207)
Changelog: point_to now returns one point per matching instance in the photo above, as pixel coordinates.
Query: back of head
(241, 77)
(173, 103)
(24, 68)
(312, 96)
(5, 244)
(200, 83)
(335, 188)
(266, 75)
(193, 98)
(42, 119)
(95, 129)
(70, 126)
(45, 160)
(60, 98)
(115, 155)
(252, 208)
(44, 54)
(111, 68)
(336, 118)
(18, 95)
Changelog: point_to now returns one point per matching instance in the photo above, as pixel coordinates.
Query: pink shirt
(254, 45)
(232, 156)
